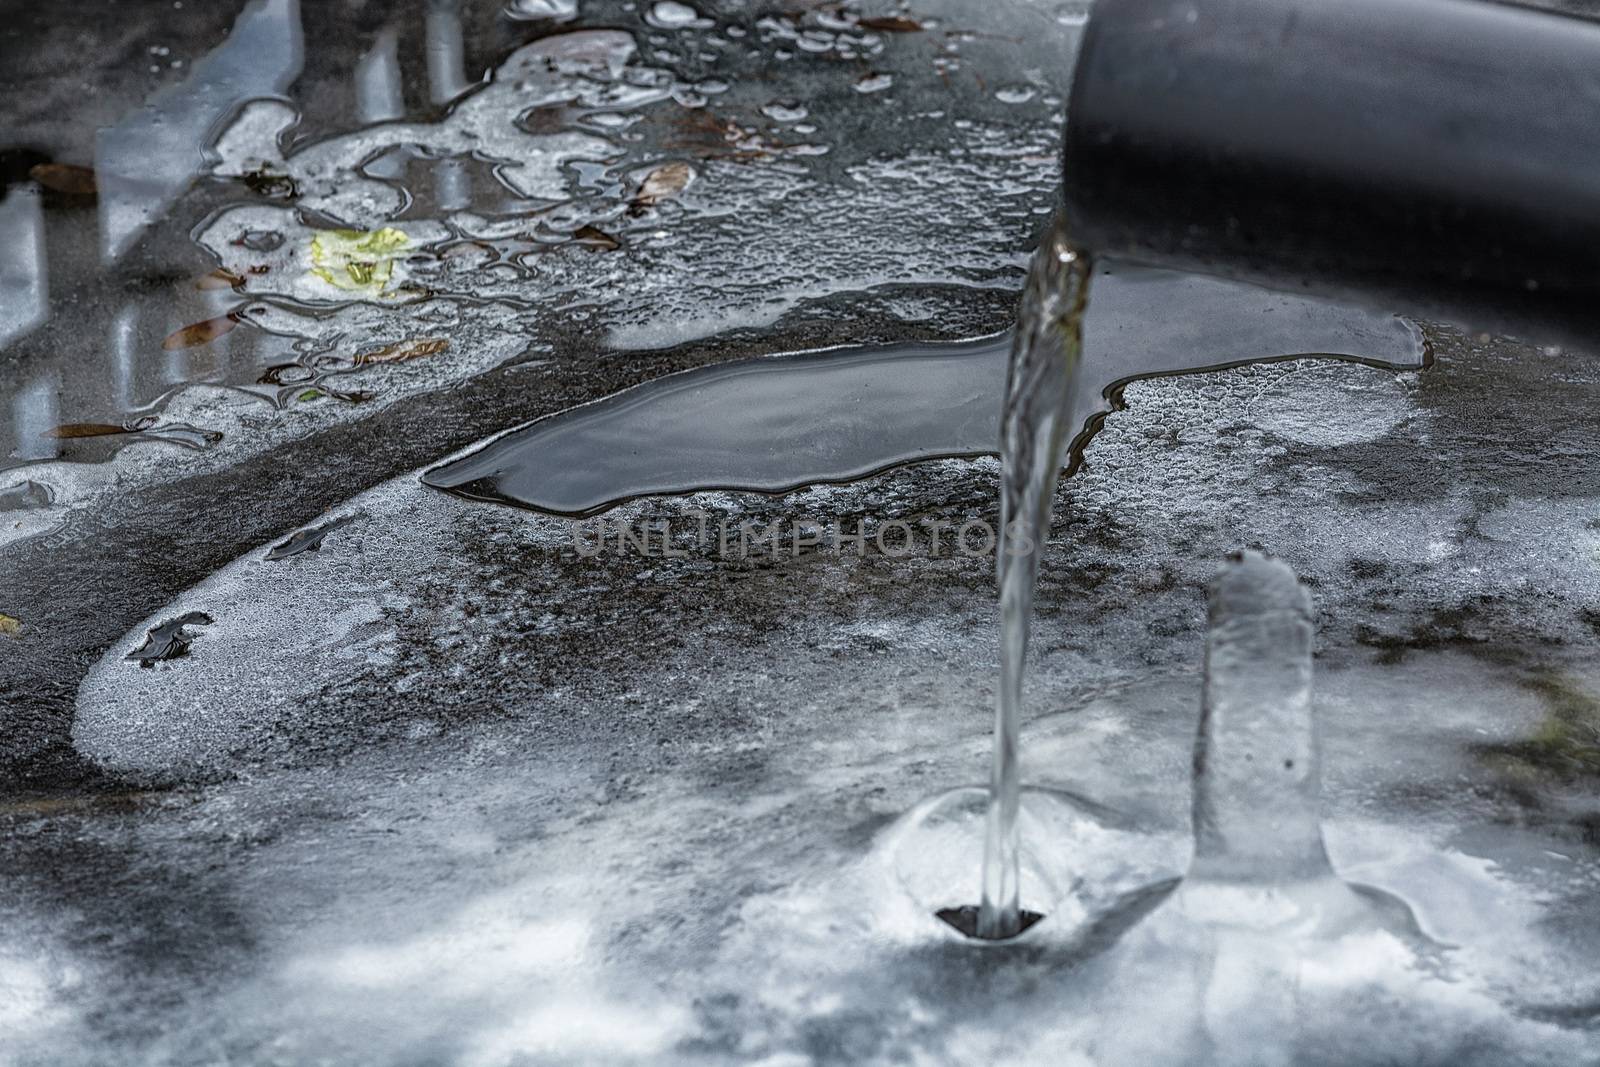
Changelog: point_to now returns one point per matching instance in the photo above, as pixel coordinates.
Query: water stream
(1042, 393)
(1034, 434)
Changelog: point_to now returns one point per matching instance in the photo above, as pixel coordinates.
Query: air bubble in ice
(815, 41)
(261, 240)
(1073, 12)
(671, 15)
(542, 10)
(785, 111)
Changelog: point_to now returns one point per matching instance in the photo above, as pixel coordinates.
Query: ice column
(1257, 786)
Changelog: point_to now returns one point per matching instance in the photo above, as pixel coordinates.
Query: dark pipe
(1438, 157)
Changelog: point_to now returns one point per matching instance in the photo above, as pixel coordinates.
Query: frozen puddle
(682, 848)
(1261, 953)
(507, 902)
(775, 424)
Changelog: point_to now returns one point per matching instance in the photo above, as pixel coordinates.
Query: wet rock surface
(449, 789)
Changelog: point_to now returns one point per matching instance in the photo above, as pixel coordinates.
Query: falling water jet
(1039, 391)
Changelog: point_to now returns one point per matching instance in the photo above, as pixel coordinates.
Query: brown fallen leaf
(890, 24)
(64, 178)
(70, 430)
(33, 806)
(595, 238)
(403, 351)
(221, 278)
(10, 627)
(669, 179)
(74, 430)
(200, 333)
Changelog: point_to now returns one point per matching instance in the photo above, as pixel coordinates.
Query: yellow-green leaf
(357, 261)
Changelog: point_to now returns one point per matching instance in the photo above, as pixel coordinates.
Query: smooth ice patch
(778, 423)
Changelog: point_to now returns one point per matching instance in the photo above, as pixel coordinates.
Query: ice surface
(741, 902)
(144, 162)
(691, 768)
(546, 162)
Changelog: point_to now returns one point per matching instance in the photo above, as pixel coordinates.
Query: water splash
(24, 286)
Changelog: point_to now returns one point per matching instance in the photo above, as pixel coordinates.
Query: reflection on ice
(123, 351)
(446, 53)
(379, 96)
(145, 161)
(526, 206)
(584, 68)
(35, 412)
(24, 277)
